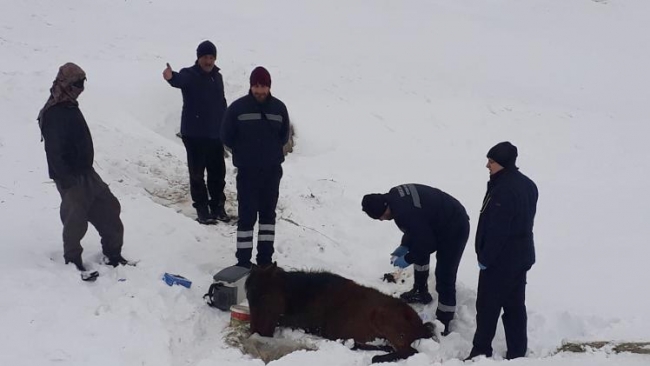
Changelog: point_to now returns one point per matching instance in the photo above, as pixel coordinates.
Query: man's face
(387, 216)
(493, 166)
(207, 62)
(260, 92)
(77, 87)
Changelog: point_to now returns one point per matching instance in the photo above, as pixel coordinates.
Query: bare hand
(167, 73)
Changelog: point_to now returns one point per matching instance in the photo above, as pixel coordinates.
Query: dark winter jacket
(256, 132)
(427, 216)
(504, 236)
(68, 144)
(203, 101)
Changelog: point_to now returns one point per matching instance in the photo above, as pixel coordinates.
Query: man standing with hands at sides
(256, 127)
(204, 104)
(505, 250)
(84, 195)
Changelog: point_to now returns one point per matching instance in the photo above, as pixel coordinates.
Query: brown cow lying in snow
(332, 307)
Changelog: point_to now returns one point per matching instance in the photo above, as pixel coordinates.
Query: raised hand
(167, 73)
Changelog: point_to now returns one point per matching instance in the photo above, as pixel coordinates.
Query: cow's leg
(394, 356)
(396, 327)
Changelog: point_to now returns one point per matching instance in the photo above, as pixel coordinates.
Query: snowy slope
(381, 93)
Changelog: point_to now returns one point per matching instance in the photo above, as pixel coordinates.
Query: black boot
(116, 260)
(475, 353)
(244, 257)
(219, 213)
(417, 296)
(264, 261)
(264, 255)
(420, 292)
(446, 323)
(203, 215)
(247, 265)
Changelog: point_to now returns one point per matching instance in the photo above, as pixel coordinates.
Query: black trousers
(204, 154)
(257, 194)
(90, 200)
(501, 289)
(448, 256)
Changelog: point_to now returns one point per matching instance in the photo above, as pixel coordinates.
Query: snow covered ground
(381, 93)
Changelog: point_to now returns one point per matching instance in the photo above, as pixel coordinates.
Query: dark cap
(374, 205)
(504, 153)
(206, 48)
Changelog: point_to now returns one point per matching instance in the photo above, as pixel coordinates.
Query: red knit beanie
(260, 76)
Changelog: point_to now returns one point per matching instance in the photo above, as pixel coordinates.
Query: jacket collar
(199, 70)
(268, 99)
(498, 177)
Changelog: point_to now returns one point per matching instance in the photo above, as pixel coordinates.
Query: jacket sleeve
(58, 144)
(418, 237)
(180, 79)
(285, 131)
(223, 102)
(501, 213)
(228, 131)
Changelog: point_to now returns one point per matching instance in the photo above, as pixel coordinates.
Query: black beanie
(504, 153)
(206, 48)
(374, 205)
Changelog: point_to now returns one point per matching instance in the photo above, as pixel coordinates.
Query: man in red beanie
(505, 251)
(256, 127)
(203, 106)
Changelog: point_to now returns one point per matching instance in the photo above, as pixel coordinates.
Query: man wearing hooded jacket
(204, 103)
(69, 149)
(505, 251)
(256, 127)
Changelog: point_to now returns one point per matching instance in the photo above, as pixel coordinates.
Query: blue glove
(481, 267)
(400, 251)
(401, 262)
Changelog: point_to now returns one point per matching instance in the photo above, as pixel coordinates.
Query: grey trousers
(89, 199)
